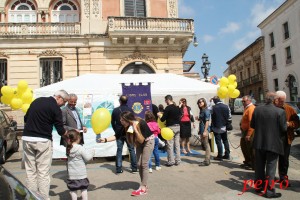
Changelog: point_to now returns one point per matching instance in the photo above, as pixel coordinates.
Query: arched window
(22, 11)
(65, 11)
(137, 68)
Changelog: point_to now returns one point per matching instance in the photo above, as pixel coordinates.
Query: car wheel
(16, 145)
(3, 155)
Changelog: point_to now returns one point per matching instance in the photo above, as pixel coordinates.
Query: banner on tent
(139, 97)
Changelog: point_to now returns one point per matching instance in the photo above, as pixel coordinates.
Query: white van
(237, 107)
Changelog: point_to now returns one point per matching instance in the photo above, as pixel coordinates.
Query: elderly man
(42, 115)
(247, 132)
(71, 118)
(269, 123)
(292, 121)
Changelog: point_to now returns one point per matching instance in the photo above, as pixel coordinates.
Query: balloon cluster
(101, 120)
(16, 98)
(228, 87)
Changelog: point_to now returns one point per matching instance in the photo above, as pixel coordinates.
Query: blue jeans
(120, 144)
(155, 153)
(219, 138)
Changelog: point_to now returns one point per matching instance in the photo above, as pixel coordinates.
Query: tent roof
(161, 84)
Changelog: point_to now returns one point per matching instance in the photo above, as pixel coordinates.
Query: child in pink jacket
(153, 125)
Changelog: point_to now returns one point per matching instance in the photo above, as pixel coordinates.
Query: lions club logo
(137, 107)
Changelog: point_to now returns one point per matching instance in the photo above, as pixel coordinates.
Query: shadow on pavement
(123, 185)
(62, 195)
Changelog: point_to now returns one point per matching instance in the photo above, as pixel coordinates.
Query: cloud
(245, 41)
(262, 10)
(208, 38)
(231, 27)
(185, 10)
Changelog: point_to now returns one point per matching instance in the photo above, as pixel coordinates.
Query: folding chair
(197, 139)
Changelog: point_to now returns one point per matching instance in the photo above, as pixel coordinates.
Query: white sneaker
(157, 168)
(150, 170)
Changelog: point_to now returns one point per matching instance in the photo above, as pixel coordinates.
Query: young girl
(77, 158)
(153, 125)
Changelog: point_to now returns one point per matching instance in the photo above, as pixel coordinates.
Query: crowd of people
(267, 133)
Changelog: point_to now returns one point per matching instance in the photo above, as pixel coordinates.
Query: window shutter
(129, 8)
(140, 8)
(135, 8)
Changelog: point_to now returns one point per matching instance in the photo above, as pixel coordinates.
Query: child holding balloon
(153, 125)
(143, 139)
(77, 159)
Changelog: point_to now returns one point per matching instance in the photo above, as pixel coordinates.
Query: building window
(137, 68)
(50, 71)
(65, 11)
(22, 12)
(249, 72)
(274, 67)
(272, 42)
(288, 55)
(258, 67)
(3, 72)
(286, 30)
(276, 86)
(135, 8)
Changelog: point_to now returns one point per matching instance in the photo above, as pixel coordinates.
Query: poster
(139, 97)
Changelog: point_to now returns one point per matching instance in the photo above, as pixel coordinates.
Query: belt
(175, 125)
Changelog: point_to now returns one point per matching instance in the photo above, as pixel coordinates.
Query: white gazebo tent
(108, 86)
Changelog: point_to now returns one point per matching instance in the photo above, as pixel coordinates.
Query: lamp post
(205, 66)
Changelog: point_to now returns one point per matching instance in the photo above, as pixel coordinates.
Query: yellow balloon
(167, 133)
(231, 78)
(22, 86)
(222, 96)
(7, 91)
(5, 100)
(101, 120)
(27, 97)
(16, 103)
(25, 107)
(234, 94)
(223, 90)
(161, 124)
(223, 82)
(234, 84)
(230, 88)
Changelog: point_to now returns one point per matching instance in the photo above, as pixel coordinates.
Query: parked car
(12, 188)
(8, 137)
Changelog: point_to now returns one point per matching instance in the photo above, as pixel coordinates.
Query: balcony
(138, 30)
(256, 78)
(21, 29)
(246, 82)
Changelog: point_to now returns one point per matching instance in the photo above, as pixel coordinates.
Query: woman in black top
(138, 133)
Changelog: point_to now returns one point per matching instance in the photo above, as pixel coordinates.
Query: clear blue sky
(223, 28)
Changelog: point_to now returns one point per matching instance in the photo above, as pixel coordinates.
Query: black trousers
(283, 162)
(265, 166)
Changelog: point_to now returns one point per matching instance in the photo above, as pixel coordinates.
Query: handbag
(229, 125)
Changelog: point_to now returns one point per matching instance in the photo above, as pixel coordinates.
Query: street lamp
(205, 66)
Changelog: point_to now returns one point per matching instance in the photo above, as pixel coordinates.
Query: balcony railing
(246, 82)
(256, 78)
(39, 29)
(150, 24)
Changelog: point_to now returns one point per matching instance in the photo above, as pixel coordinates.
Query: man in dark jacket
(120, 136)
(219, 118)
(269, 123)
(42, 115)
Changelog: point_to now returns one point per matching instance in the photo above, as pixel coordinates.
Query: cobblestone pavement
(220, 180)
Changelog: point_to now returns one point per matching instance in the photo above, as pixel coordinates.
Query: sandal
(184, 151)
